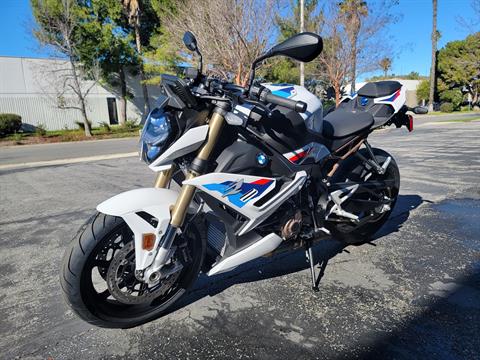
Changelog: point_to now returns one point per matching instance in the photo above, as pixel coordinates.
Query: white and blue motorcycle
(242, 173)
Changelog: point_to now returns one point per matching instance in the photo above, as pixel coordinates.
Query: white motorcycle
(242, 173)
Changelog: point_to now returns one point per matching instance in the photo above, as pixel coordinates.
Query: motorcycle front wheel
(98, 274)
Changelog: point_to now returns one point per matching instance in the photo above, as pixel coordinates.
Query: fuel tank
(313, 117)
(287, 139)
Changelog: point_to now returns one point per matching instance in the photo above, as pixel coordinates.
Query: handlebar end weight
(300, 107)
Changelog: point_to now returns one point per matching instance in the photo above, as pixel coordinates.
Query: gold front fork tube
(164, 177)
(186, 195)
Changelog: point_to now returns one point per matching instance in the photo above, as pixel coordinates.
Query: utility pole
(434, 57)
(302, 29)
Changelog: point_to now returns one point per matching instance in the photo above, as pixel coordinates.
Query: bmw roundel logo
(262, 159)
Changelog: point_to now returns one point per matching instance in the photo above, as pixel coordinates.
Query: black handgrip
(268, 97)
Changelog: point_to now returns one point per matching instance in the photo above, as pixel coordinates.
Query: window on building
(112, 111)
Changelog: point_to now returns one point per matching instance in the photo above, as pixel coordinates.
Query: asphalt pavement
(63, 153)
(413, 293)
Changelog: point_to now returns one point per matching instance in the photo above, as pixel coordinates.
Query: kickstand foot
(309, 254)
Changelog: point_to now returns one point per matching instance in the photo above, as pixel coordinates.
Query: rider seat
(341, 123)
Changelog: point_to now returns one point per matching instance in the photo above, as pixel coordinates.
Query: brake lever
(260, 105)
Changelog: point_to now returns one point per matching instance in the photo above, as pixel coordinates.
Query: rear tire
(98, 307)
(351, 170)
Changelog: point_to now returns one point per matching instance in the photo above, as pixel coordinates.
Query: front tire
(84, 274)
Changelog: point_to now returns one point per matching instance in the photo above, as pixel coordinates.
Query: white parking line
(67, 161)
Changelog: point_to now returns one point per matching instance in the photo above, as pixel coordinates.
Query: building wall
(30, 87)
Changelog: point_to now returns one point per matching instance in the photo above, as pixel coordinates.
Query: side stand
(309, 255)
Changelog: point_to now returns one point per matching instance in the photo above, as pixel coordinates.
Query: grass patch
(454, 112)
(463, 120)
(102, 132)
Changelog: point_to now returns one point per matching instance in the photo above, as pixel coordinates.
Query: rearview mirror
(420, 110)
(190, 41)
(303, 47)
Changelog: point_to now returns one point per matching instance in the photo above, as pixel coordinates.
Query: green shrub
(105, 126)
(10, 124)
(130, 124)
(41, 130)
(446, 107)
(453, 96)
(17, 138)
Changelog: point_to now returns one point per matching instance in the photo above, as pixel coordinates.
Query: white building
(29, 87)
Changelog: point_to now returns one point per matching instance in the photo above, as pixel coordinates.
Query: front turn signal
(148, 241)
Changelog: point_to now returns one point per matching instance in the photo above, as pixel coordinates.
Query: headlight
(157, 134)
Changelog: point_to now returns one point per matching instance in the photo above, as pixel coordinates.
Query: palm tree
(385, 64)
(133, 11)
(434, 57)
(352, 12)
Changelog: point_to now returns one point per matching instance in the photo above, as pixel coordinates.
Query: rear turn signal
(410, 123)
(148, 241)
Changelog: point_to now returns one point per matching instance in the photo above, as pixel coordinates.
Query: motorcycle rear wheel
(353, 169)
(86, 262)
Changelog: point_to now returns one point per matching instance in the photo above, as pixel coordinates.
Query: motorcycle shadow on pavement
(294, 261)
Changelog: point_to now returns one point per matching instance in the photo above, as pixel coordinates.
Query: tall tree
(333, 64)
(138, 13)
(434, 55)
(285, 69)
(57, 26)
(471, 25)
(352, 12)
(102, 34)
(385, 64)
(459, 68)
(230, 33)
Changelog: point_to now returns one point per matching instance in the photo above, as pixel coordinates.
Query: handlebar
(265, 96)
(268, 97)
(258, 94)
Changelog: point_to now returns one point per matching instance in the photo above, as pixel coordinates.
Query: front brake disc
(125, 287)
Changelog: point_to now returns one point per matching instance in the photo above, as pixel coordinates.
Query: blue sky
(411, 34)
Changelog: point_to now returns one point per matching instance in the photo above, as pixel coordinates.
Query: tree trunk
(123, 97)
(88, 128)
(353, 73)
(146, 100)
(336, 87)
(81, 99)
(434, 56)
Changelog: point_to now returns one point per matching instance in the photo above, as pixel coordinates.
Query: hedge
(10, 124)
(446, 107)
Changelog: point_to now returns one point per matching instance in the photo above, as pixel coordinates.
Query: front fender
(154, 201)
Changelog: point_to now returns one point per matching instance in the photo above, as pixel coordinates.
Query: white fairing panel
(188, 142)
(396, 100)
(257, 249)
(153, 201)
(241, 192)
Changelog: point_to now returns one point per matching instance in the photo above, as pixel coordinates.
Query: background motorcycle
(242, 172)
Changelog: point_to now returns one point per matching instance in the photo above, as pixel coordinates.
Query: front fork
(179, 210)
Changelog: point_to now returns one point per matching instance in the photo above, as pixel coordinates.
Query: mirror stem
(200, 63)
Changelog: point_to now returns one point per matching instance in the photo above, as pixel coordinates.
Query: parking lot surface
(414, 292)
